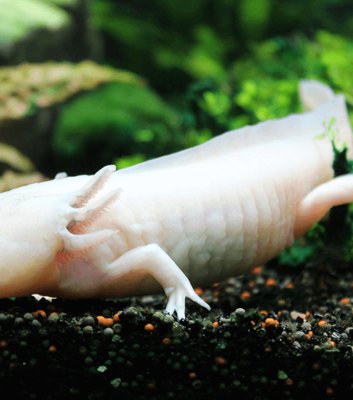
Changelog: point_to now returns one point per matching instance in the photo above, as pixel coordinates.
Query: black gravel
(284, 332)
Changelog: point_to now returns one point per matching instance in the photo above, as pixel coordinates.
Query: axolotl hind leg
(153, 260)
(319, 201)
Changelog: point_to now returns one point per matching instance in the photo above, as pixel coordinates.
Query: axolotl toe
(191, 218)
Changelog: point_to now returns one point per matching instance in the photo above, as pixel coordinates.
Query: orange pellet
(109, 322)
(271, 322)
(166, 341)
(151, 385)
(39, 312)
(322, 323)
(252, 323)
(332, 343)
(215, 285)
(149, 327)
(329, 390)
(288, 382)
(268, 349)
(192, 375)
(215, 324)
(216, 293)
(116, 318)
(289, 285)
(245, 295)
(52, 349)
(105, 321)
(271, 282)
(308, 314)
(263, 326)
(221, 361)
(3, 343)
(256, 271)
(345, 301)
(263, 312)
(199, 291)
(53, 313)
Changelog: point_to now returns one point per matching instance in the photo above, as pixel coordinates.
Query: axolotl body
(192, 218)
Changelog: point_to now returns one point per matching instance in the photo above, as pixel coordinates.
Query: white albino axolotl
(192, 218)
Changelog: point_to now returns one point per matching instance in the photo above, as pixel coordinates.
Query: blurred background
(86, 83)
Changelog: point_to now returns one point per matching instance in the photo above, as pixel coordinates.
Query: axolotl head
(39, 227)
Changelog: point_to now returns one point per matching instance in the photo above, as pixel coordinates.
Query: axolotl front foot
(151, 259)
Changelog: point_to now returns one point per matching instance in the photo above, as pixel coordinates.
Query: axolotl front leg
(129, 274)
(151, 259)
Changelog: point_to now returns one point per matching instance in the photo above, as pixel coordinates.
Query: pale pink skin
(192, 218)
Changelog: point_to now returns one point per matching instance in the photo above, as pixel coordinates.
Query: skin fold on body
(189, 219)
